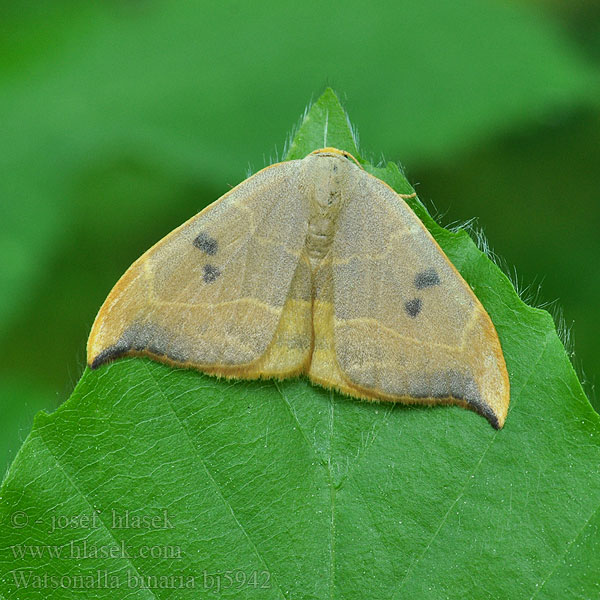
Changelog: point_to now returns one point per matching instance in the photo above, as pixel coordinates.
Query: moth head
(335, 152)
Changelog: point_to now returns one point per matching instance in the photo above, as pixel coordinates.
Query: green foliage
(318, 495)
(120, 120)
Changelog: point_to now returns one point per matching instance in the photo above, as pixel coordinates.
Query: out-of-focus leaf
(21, 400)
(197, 90)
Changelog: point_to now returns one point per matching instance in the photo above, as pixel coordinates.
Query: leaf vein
(565, 552)
(212, 479)
(128, 559)
(472, 473)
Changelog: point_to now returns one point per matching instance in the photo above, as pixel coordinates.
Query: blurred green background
(121, 119)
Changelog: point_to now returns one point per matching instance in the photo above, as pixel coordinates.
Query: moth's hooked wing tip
(108, 355)
(486, 411)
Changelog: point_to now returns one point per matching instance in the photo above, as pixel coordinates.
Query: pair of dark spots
(422, 280)
(209, 246)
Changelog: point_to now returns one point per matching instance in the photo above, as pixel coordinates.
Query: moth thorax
(324, 209)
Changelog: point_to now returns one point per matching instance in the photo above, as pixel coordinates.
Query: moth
(315, 267)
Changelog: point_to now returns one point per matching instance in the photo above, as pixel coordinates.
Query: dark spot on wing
(210, 273)
(207, 244)
(426, 278)
(413, 307)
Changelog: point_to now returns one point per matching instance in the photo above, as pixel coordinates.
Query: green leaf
(310, 494)
(325, 125)
(118, 119)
